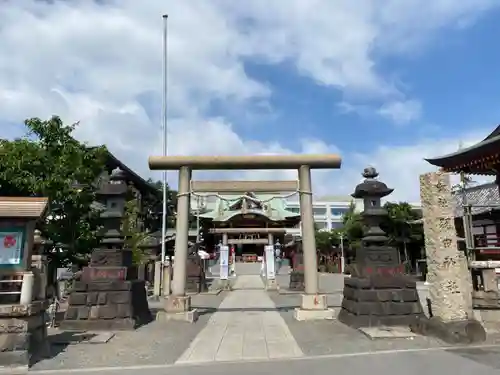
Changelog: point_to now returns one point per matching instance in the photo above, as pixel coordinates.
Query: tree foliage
(353, 226)
(153, 205)
(324, 240)
(398, 223)
(48, 161)
(135, 238)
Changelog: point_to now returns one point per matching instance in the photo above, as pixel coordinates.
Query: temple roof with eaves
(481, 158)
(227, 207)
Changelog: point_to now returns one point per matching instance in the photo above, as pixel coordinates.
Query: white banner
(270, 270)
(11, 245)
(224, 262)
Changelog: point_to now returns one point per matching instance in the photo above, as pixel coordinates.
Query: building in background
(328, 211)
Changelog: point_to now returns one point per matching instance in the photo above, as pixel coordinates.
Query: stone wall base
(380, 300)
(107, 305)
(23, 334)
(453, 332)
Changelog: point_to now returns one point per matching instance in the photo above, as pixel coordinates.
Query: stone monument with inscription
(108, 295)
(23, 333)
(450, 284)
(377, 293)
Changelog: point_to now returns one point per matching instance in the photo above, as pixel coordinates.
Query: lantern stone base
(107, 305)
(23, 335)
(178, 308)
(467, 331)
(380, 300)
(314, 307)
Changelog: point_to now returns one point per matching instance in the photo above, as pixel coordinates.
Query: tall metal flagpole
(164, 126)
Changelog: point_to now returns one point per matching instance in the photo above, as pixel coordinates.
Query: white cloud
(401, 112)
(100, 63)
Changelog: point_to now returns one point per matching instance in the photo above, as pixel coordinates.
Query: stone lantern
(374, 256)
(378, 293)
(114, 196)
(109, 295)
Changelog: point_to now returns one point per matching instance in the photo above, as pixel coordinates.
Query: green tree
(353, 227)
(48, 161)
(398, 228)
(135, 239)
(153, 205)
(324, 240)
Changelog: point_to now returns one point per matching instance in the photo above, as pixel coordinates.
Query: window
(338, 212)
(321, 225)
(294, 209)
(319, 211)
(337, 225)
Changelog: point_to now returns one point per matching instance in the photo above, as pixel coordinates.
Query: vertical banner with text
(224, 262)
(270, 271)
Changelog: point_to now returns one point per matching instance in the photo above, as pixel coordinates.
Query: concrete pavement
(246, 326)
(250, 329)
(478, 361)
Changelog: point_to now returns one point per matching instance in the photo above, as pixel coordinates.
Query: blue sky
(386, 83)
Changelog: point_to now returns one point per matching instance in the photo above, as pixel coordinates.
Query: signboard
(270, 271)
(104, 273)
(224, 262)
(11, 246)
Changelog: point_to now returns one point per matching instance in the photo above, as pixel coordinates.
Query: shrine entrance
(178, 305)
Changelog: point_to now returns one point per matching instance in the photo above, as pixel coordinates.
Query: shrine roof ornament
(228, 207)
(481, 158)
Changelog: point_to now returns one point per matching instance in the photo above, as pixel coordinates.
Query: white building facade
(328, 211)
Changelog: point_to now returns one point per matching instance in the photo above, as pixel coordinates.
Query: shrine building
(477, 208)
(246, 221)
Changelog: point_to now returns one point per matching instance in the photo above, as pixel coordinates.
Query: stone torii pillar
(181, 238)
(314, 305)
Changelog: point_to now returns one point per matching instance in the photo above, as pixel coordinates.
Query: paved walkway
(246, 326)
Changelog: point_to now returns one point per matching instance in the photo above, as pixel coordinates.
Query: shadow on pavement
(210, 310)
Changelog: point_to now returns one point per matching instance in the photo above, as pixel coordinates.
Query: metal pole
(342, 255)
(164, 140)
(198, 201)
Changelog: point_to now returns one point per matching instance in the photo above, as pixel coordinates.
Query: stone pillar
(271, 283)
(39, 268)
(27, 288)
(177, 304)
(167, 277)
(450, 289)
(182, 233)
(224, 239)
(157, 279)
(307, 225)
(313, 306)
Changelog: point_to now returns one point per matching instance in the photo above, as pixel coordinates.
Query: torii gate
(178, 304)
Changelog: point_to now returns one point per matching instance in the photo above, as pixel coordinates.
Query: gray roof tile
(485, 197)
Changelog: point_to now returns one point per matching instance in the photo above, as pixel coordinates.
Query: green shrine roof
(228, 206)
